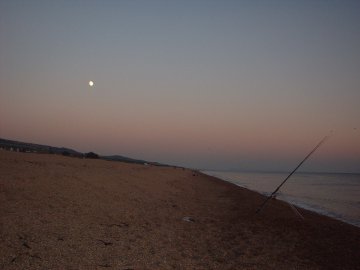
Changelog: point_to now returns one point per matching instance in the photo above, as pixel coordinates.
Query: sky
(223, 85)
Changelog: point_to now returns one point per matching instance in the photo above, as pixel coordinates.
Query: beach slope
(59, 212)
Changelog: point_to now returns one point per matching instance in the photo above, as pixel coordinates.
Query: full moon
(91, 83)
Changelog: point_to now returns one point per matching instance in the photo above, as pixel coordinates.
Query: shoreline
(299, 204)
(58, 212)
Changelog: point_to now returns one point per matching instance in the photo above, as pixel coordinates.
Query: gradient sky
(243, 85)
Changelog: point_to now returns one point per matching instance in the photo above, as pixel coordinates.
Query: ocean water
(332, 194)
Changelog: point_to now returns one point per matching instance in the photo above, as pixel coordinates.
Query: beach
(59, 212)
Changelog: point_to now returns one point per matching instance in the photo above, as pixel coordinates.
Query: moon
(91, 83)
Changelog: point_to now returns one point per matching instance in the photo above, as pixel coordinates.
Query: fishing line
(297, 167)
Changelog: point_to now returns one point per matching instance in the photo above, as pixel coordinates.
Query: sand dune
(66, 213)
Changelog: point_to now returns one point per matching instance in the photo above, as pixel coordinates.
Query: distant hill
(124, 159)
(37, 148)
(46, 149)
(131, 160)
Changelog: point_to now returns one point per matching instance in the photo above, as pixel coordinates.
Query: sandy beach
(60, 212)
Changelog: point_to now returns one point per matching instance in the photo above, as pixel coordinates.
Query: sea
(336, 195)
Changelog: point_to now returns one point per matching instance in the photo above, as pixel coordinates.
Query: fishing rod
(297, 167)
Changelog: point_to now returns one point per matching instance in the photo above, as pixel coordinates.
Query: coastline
(291, 199)
(59, 212)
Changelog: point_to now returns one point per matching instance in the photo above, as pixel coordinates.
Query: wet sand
(66, 213)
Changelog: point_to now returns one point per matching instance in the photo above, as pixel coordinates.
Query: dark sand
(67, 213)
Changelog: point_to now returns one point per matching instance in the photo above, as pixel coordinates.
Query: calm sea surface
(334, 195)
